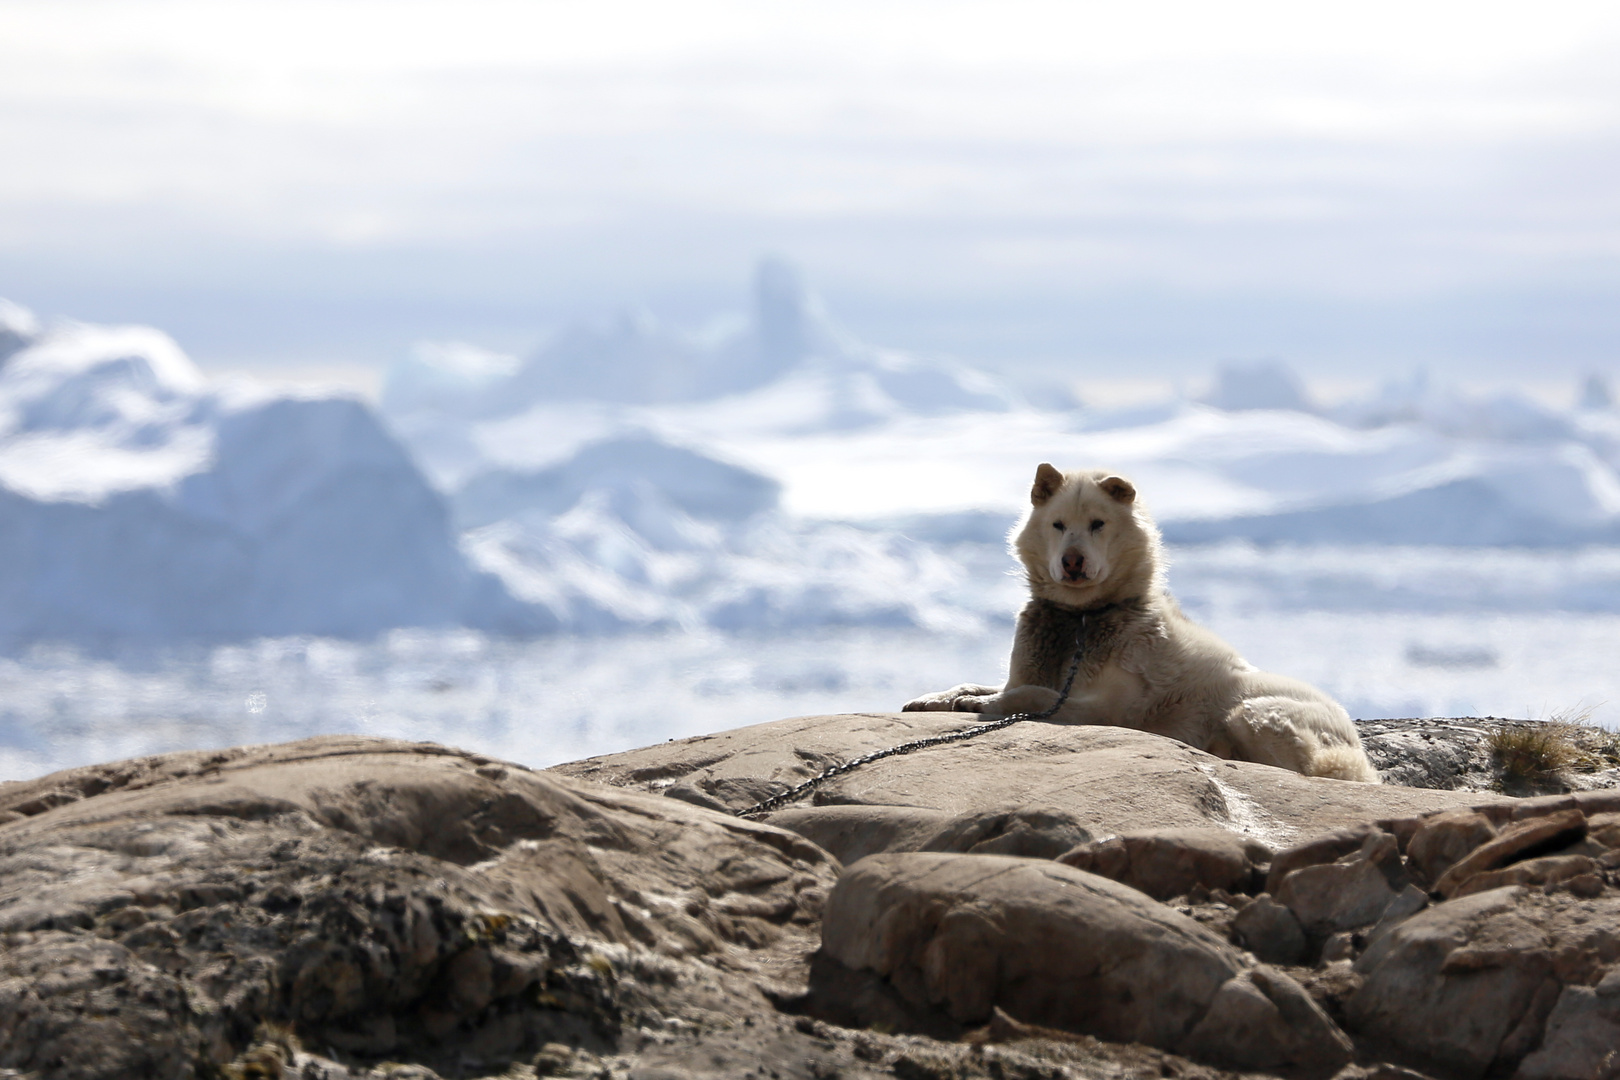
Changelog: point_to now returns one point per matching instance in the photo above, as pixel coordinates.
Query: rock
(1048, 944)
(853, 832)
(690, 793)
(1169, 862)
(727, 794)
(1270, 931)
(1455, 754)
(200, 914)
(1444, 839)
(1322, 848)
(1592, 803)
(1380, 1071)
(82, 1006)
(1061, 948)
(1550, 870)
(1582, 1035)
(1112, 780)
(1443, 754)
(1030, 832)
(1409, 902)
(1604, 828)
(1464, 988)
(1350, 892)
(1262, 1019)
(383, 898)
(1340, 946)
(1586, 886)
(1523, 840)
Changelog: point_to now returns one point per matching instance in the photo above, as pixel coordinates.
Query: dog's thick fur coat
(1092, 556)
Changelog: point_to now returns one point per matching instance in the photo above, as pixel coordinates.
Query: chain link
(765, 806)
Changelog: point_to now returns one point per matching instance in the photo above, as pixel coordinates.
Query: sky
(1084, 188)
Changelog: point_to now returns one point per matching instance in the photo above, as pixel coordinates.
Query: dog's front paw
(1023, 699)
(946, 700)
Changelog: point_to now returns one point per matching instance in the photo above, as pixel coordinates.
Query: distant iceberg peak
(637, 360)
(18, 328)
(1258, 384)
(1596, 394)
(788, 319)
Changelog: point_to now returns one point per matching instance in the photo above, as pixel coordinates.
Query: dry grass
(1539, 751)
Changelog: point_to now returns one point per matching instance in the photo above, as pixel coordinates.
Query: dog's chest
(1050, 635)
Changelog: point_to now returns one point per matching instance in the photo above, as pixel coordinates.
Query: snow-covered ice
(639, 532)
(138, 502)
(554, 699)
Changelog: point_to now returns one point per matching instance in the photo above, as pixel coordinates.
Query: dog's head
(1086, 539)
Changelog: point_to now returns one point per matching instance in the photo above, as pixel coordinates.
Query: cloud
(1384, 151)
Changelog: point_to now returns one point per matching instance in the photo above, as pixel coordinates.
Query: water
(1381, 636)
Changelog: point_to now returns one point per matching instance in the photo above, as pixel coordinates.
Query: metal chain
(767, 805)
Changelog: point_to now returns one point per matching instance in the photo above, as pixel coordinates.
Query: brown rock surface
(1113, 780)
(853, 832)
(1169, 862)
(381, 898)
(1058, 947)
(1262, 1019)
(1582, 1037)
(1270, 931)
(1465, 987)
(1523, 840)
(1551, 870)
(1445, 839)
(1045, 943)
(391, 902)
(1352, 891)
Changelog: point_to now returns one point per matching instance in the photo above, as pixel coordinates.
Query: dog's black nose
(1073, 565)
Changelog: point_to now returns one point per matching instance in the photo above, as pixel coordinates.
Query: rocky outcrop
(380, 899)
(1456, 754)
(1065, 949)
(1111, 780)
(1040, 902)
(1172, 862)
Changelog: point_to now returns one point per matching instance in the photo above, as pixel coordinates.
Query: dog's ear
(1119, 487)
(1047, 482)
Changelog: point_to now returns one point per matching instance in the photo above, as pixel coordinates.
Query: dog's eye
(1058, 525)
(1095, 525)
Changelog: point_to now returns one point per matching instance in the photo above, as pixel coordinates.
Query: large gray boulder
(1169, 862)
(408, 910)
(1353, 890)
(853, 832)
(1112, 780)
(383, 899)
(1582, 1036)
(1465, 988)
(1058, 947)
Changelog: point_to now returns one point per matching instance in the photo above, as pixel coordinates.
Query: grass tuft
(1539, 751)
(1536, 751)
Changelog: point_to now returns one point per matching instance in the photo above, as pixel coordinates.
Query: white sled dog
(1092, 555)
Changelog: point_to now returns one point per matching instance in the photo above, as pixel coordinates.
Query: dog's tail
(1343, 762)
(1314, 738)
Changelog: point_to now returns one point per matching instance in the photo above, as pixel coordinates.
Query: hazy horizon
(1042, 187)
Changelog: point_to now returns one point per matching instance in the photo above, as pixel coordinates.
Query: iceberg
(1259, 384)
(788, 347)
(137, 502)
(698, 484)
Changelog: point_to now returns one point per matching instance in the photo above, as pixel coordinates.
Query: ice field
(557, 698)
(637, 534)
